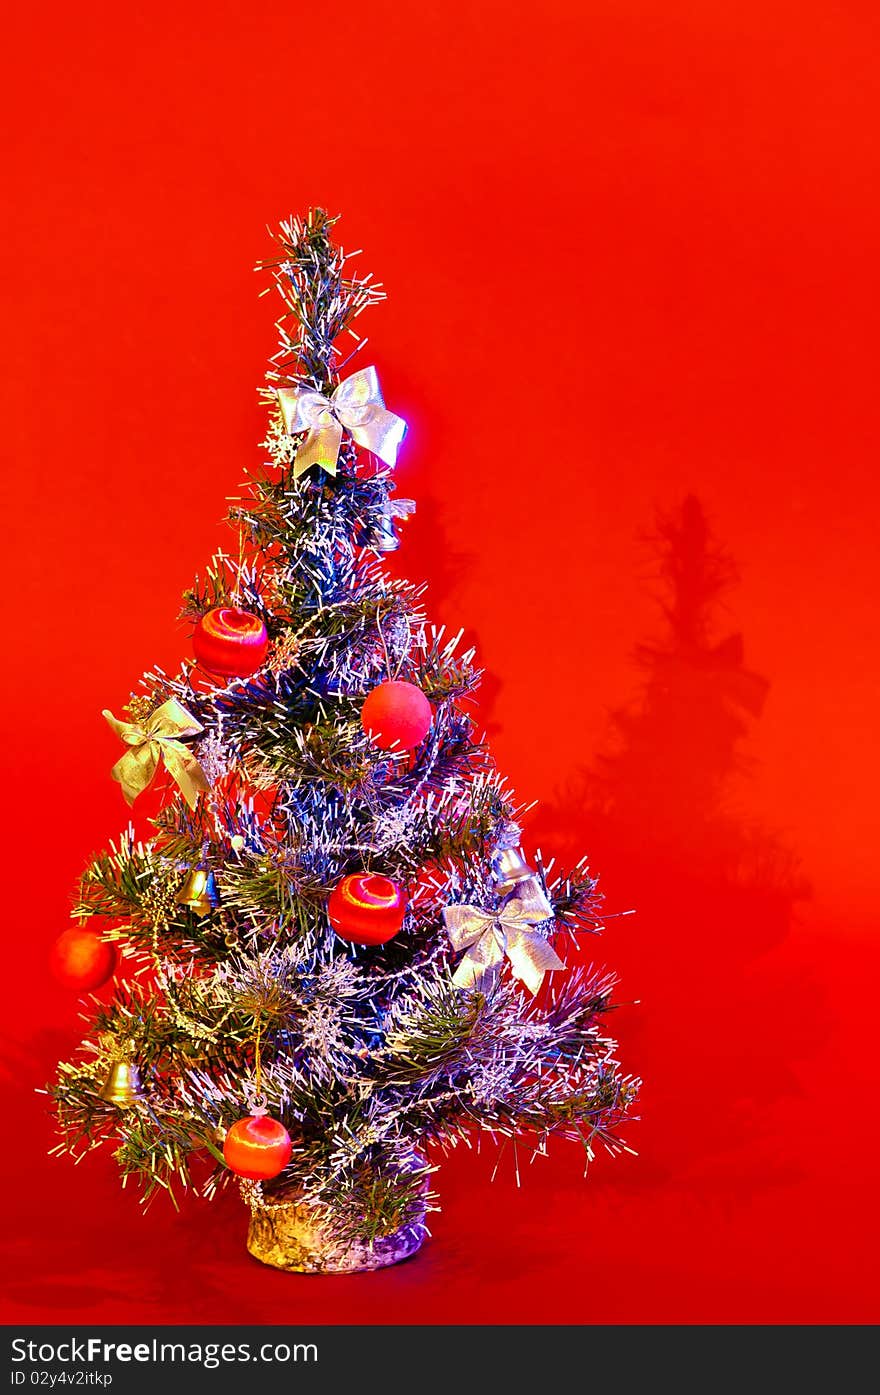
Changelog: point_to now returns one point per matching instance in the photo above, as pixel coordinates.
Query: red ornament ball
(81, 959)
(366, 909)
(230, 642)
(396, 714)
(257, 1147)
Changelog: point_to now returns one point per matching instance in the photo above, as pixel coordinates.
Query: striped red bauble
(367, 909)
(230, 642)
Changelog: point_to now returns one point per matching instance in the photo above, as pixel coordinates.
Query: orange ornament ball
(257, 1148)
(81, 959)
(397, 715)
(367, 909)
(229, 642)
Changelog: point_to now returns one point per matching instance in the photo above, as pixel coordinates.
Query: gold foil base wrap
(287, 1234)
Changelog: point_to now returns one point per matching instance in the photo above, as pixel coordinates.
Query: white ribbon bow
(490, 936)
(356, 406)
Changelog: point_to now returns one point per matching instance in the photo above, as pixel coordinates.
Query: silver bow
(399, 508)
(490, 936)
(356, 406)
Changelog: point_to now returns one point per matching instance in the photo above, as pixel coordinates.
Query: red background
(631, 253)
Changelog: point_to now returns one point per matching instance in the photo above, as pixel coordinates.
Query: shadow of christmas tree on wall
(664, 811)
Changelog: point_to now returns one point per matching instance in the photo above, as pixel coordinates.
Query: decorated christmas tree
(331, 959)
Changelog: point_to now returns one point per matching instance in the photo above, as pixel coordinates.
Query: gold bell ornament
(199, 891)
(123, 1085)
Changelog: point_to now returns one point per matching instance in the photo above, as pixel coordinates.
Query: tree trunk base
(288, 1235)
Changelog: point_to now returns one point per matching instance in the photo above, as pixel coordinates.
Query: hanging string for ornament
(230, 641)
(258, 1059)
(217, 801)
(396, 715)
(385, 649)
(230, 933)
(257, 1147)
(236, 595)
(214, 812)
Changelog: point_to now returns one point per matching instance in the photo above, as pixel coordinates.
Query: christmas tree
(332, 959)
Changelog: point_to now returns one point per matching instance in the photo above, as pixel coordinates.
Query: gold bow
(356, 406)
(159, 737)
(489, 936)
